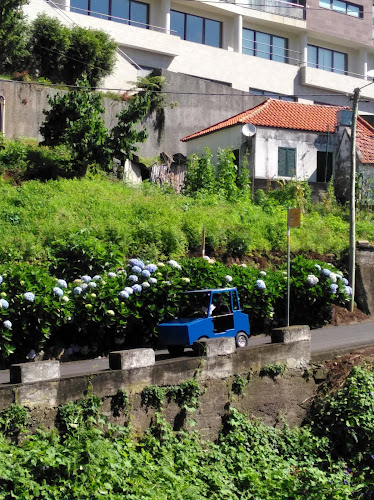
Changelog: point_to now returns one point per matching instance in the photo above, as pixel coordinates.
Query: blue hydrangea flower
(133, 278)
(317, 266)
(84, 286)
(334, 288)
(348, 290)
(112, 275)
(86, 278)
(123, 294)
(312, 280)
(137, 288)
(339, 276)
(1, 279)
(260, 285)
(62, 283)
(4, 304)
(129, 290)
(151, 268)
(152, 281)
(137, 262)
(7, 324)
(29, 296)
(97, 277)
(31, 355)
(145, 284)
(136, 269)
(146, 273)
(326, 272)
(345, 281)
(92, 284)
(58, 292)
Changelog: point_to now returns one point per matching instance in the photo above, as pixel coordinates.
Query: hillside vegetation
(104, 221)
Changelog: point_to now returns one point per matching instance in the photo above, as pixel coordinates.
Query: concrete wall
(265, 398)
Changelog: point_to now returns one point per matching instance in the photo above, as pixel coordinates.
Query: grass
(151, 223)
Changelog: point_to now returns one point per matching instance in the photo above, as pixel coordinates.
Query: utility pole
(352, 203)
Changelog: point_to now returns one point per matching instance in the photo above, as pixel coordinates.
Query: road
(327, 341)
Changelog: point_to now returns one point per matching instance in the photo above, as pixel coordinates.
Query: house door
(324, 166)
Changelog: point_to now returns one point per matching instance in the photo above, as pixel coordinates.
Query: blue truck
(205, 314)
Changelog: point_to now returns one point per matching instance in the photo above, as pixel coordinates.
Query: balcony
(278, 7)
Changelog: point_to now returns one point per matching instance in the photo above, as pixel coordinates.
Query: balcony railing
(279, 7)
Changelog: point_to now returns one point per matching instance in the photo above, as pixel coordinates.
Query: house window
(121, 11)
(256, 43)
(286, 162)
(324, 166)
(326, 59)
(196, 29)
(271, 94)
(351, 9)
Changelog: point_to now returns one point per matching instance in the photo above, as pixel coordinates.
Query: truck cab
(205, 314)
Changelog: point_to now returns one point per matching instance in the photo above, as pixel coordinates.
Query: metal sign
(294, 217)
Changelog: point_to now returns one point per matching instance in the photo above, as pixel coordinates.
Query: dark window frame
(271, 45)
(185, 14)
(127, 20)
(332, 69)
(273, 95)
(287, 167)
(347, 4)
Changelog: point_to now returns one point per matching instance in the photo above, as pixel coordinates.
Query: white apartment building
(318, 52)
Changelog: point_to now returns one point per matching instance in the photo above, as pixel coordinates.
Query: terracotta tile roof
(280, 114)
(365, 140)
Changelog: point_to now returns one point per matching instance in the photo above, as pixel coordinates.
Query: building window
(351, 9)
(256, 43)
(196, 29)
(121, 11)
(286, 162)
(271, 94)
(326, 59)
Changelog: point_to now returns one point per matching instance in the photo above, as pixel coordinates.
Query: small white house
(281, 139)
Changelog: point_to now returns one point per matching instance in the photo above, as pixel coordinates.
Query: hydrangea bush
(122, 307)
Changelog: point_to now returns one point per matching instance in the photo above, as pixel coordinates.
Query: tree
(200, 176)
(49, 43)
(12, 35)
(125, 136)
(75, 120)
(91, 53)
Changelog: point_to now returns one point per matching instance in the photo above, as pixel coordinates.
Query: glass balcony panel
(280, 7)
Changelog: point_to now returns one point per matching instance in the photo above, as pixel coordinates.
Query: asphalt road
(327, 341)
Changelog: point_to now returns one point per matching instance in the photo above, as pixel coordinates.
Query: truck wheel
(241, 339)
(175, 350)
(198, 349)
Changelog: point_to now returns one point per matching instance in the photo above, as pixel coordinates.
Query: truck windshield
(194, 305)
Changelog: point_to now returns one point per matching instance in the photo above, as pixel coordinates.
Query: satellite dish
(248, 130)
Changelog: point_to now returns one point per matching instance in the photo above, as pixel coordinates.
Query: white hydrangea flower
(262, 273)
(133, 278)
(62, 283)
(260, 285)
(65, 299)
(153, 281)
(174, 263)
(312, 280)
(92, 284)
(186, 280)
(29, 296)
(243, 265)
(4, 304)
(1, 279)
(110, 312)
(84, 286)
(86, 278)
(7, 324)
(97, 277)
(228, 278)
(112, 275)
(145, 284)
(333, 277)
(129, 290)
(317, 266)
(123, 294)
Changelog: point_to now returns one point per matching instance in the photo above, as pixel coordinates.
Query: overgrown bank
(331, 457)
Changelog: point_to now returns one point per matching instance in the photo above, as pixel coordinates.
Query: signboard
(294, 217)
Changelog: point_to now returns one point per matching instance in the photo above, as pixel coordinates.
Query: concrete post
(303, 50)
(288, 334)
(66, 5)
(133, 358)
(363, 64)
(211, 348)
(34, 372)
